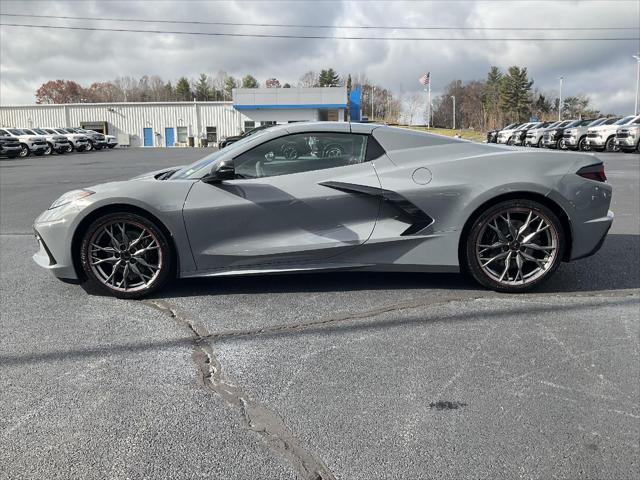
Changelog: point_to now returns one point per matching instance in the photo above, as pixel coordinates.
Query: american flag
(425, 79)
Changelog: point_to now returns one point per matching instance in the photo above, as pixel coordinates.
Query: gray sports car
(309, 197)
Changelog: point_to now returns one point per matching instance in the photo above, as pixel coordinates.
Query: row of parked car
(609, 134)
(22, 142)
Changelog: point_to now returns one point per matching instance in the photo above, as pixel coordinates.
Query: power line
(290, 25)
(322, 37)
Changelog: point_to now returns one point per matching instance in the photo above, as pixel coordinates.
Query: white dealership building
(167, 124)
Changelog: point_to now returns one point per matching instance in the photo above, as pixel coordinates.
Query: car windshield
(597, 122)
(611, 121)
(29, 132)
(574, 123)
(15, 131)
(510, 126)
(625, 120)
(204, 165)
(554, 124)
(39, 131)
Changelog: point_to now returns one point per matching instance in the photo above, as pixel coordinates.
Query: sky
(603, 70)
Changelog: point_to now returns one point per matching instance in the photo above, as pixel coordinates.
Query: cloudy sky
(603, 70)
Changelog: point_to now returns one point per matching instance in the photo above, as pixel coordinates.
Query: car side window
(302, 152)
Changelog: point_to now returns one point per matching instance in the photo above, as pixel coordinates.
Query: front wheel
(514, 246)
(561, 145)
(539, 144)
(89, 146)
(49, 149)
(611, 146)
(125, 255)
(24, 150)
(583, 146)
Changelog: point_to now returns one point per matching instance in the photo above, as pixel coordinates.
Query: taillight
(593, 172)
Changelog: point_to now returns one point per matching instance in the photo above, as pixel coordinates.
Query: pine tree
(202, 90)
(329, 78)
(515, 91)
(229, 84)
(183, 89)
(491, 96)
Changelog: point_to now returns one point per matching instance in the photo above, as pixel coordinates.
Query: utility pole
(560, 101)
(454, 111)
(637, 57)
(373, 89)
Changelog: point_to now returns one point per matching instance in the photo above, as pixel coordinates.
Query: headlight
(69, 197)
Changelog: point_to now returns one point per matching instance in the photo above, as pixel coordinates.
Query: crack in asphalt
(258, 418)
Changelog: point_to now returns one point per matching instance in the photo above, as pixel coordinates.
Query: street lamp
(454, 111)
(560, 101)
(637, 57)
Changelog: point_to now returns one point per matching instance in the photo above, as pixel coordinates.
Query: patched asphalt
(351, 375)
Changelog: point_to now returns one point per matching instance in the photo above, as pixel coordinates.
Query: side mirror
(225, 170)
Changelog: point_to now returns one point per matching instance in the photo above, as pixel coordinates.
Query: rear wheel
(125, 255)
(514, 246)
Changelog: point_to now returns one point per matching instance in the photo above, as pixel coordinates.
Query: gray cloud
(603, 70)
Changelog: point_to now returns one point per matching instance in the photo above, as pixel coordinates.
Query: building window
(182, 134)
(249, 125)
(212, 135)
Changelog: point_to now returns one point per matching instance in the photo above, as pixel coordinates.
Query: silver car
(310, 197)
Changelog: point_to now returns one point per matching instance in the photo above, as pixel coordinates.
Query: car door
(281, 209)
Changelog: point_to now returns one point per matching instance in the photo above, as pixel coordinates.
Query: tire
(115, 264)
(510, 141)
(527, 268)
(561, 145)
(583, 146)
(539, 145)
(25, 152)
(49, 149)
(610, 146)
(111, 146)
(89, 146)
(70, 148)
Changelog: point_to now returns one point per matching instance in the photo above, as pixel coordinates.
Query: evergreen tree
(329, 78)
(183, 89)
(203, 91)
(491, 95)
(348, 85)
(250, 82)
(515, 91)
(229, 84)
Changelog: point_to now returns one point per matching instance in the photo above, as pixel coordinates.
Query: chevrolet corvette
(325, 196)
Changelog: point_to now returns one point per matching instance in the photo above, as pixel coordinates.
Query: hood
(155, 173)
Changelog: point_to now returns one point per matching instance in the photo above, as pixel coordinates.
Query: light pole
(560, 101)
(373, 89)
(454, 111)
(637, 57)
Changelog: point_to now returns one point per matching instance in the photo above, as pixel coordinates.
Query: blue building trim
(308, 105)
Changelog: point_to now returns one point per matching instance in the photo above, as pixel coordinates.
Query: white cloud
(603, 70)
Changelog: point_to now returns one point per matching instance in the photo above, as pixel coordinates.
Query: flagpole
(429, 121)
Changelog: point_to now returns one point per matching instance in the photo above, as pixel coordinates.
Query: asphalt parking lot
(343, 375)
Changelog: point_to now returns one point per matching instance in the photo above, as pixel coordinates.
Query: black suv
(225, 142)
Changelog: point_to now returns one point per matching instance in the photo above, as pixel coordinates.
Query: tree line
(502, 98)
(153, 88)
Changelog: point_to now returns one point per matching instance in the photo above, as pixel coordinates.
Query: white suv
(77, 141)
(603, 136)
(505, 135)
(628, 136)
(55, 142)
(28, 143)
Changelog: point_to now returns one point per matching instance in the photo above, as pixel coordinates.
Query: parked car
(226, 141)
(552, 137)
(77, 141)
(96, 140)
(575, 136)
(520, 133)
(55, 142)
(533, 138)
(9, 146)
(509, 219)
(492, 136)
(28, 143)
(504, 135)
(112, 141)
(628, 136)
(603, 136)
